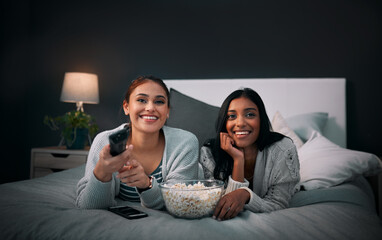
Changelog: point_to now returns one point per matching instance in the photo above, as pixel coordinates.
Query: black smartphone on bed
(118, 141)
(127, 212)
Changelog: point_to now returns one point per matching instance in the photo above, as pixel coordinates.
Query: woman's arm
(226, 143)
(281, 184)
(181, 163)
(91, 192)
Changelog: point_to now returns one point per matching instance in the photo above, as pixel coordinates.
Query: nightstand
(52, 159)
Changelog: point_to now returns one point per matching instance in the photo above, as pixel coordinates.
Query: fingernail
(219, 219)
(213, 217)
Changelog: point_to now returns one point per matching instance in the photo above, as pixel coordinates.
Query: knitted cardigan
(180, 161)
(276, 175)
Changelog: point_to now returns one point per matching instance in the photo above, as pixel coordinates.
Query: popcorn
(192, 200)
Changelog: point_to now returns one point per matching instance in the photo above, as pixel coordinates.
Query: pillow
(304, 124)
(324, 164)
(280, 125)
(192, 115)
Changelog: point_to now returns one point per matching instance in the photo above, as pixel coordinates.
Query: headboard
(289, 96)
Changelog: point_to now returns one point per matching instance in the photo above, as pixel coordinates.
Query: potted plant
(76, 127)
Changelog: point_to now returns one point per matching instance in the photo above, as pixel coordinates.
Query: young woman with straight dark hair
(260, 167)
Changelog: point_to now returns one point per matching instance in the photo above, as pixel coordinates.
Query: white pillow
(304, 124)
(280, 125)
(324, 164)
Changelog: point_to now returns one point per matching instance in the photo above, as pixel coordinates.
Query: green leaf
(69, 122)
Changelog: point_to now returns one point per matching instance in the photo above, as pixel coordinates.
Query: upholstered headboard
(289, 96)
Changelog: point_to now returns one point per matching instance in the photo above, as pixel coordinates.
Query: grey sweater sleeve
(207, 162)
(92, 193)
(180, 162)
(282, 175)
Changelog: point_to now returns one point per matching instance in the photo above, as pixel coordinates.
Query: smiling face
(243, 122)
(147, 107)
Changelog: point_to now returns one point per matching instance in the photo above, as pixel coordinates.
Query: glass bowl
(191, 198)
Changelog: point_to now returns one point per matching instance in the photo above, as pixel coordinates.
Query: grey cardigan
(276, 175)
(180, 161)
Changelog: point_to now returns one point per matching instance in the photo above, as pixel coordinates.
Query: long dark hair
(224, 162)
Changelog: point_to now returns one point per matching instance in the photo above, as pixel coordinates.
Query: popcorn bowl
(191, 198)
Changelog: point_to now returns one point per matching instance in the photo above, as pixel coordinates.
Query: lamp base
(80, 106)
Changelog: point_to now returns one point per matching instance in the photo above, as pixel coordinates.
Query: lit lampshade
(80, 88)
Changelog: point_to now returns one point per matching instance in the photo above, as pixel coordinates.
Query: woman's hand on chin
(226, 143)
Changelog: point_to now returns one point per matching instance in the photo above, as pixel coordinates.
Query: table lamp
(80, 88)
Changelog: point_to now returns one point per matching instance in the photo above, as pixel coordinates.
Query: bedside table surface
(47, 160)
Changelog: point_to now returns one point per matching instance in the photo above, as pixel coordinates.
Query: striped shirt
(131, 194)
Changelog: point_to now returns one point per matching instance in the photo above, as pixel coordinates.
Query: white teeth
(242, 133)
(149, 117)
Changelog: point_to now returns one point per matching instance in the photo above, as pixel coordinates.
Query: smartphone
(118, 141)
(127, 212)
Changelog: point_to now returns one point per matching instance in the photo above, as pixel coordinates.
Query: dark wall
(119, 40)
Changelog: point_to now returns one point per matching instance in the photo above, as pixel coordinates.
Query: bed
(335, 200)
